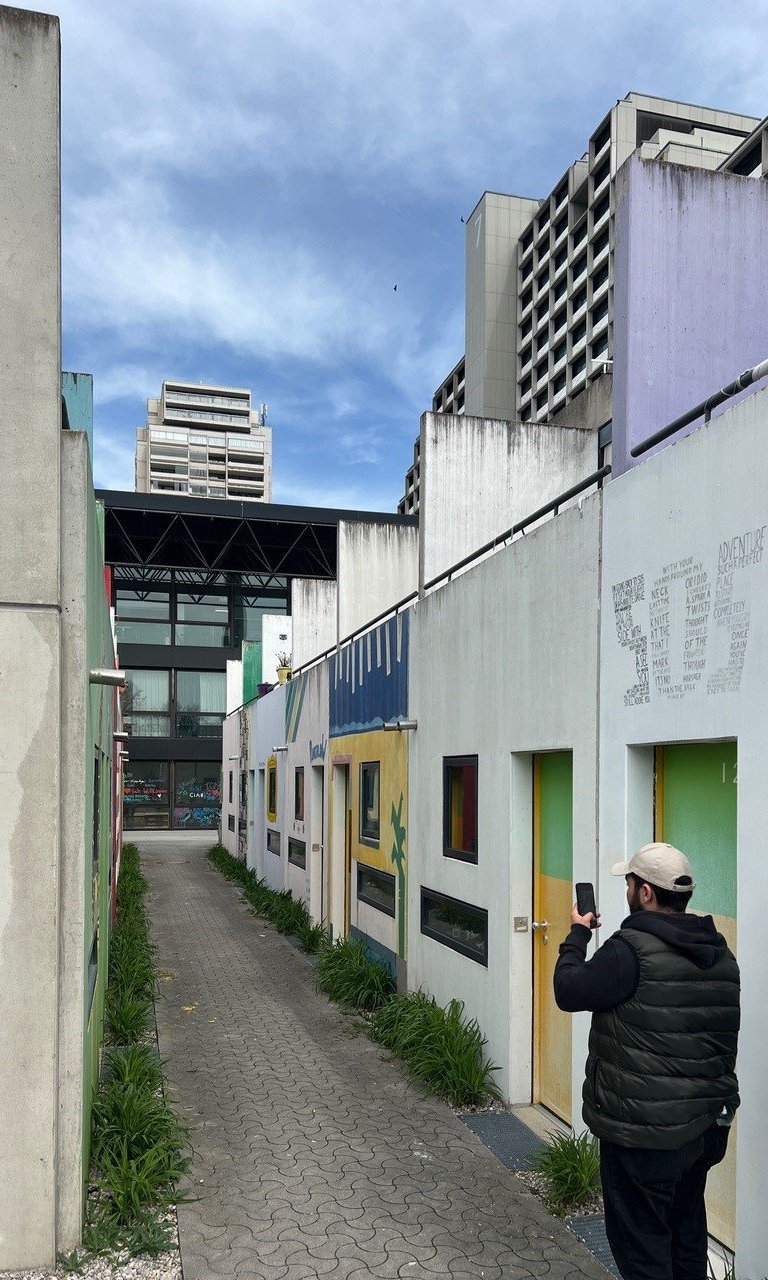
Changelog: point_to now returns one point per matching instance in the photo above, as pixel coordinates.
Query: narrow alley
(313, 1154)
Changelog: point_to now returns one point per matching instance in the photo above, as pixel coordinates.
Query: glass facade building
(175, 634)
(191, 579)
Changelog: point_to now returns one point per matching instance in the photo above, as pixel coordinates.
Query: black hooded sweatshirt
(613, 973)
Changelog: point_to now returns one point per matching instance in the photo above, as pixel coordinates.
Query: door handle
(541, 926)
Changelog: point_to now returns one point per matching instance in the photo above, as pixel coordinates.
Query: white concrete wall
(503, 664)
(313, 611)
(670, 523)
(479, 476)
(308, 727)
(276, 637)
(33, 1224)
(234, 685)
(230, 746)
(267, 732)
(377, 566)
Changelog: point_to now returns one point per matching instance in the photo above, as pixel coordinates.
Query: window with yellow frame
(272, 789)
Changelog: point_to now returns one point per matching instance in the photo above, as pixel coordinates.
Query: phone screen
(585, 899)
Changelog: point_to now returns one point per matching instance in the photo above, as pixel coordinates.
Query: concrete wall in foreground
(503, 663)
(684, 659)
(479, 476)
(377, 567)
(30, 639)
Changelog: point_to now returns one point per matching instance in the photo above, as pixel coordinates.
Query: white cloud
(113, 461)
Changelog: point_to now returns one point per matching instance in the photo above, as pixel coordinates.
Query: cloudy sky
(245, 182)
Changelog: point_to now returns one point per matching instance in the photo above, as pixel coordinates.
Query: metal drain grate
(511, 1141)
(591, 1230)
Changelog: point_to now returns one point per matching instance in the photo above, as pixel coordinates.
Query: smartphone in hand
(585, 901)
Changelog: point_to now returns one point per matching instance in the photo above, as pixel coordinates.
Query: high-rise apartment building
(540, 274)
(206, 441)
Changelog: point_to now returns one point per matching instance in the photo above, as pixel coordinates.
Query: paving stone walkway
(314, 1155)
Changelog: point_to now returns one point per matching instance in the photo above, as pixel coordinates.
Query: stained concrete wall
(30, 638)
(690, 291)
(313, 610)
(504, 664)
(684, 658)
(479, 476)
(377, 566)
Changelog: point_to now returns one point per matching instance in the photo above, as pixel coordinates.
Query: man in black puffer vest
(661, 1089)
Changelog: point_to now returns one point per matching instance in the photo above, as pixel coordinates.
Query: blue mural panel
(369, 679)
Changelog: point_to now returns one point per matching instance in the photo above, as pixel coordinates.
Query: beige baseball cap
(661, 865)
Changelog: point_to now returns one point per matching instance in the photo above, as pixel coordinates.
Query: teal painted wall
(251, 669)
(77, 394)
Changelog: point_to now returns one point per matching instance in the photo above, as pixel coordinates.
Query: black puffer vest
(661, 1065)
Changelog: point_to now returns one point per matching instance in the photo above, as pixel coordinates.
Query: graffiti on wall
(688, 626)
(369, 679)
(398, 858)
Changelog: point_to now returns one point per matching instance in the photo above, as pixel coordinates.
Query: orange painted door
(552, 902)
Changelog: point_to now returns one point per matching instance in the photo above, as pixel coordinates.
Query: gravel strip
(166, 1266)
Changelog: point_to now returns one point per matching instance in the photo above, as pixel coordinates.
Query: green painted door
(696, 792)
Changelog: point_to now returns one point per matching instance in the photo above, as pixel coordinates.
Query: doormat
(511, 1141)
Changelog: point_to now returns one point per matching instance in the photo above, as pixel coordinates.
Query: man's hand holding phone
(584, 909)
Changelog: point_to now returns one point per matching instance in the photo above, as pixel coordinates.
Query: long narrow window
(297, 853)
(460, 808)
(272, 790)
(298, 795)
(456, 924)
(369, 802)
(376, 889)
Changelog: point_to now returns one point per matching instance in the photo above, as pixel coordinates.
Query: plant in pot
(283, 667)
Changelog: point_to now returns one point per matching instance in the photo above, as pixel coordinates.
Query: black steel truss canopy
(155, 531)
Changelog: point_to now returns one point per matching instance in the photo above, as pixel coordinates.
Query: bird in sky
(395, 289)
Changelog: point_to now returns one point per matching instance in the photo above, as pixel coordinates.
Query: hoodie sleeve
(608, 979)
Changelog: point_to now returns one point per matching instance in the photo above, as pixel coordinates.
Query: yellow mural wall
(391, 751)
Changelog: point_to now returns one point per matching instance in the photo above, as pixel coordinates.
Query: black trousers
(655, 1218)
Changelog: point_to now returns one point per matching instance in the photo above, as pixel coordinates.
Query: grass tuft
(138, 1145)
(570, 1167)
(347, 974)
(286, 913)
(440, 1045)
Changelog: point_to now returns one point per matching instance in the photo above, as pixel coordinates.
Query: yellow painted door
(696, 789)
(552, 902)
